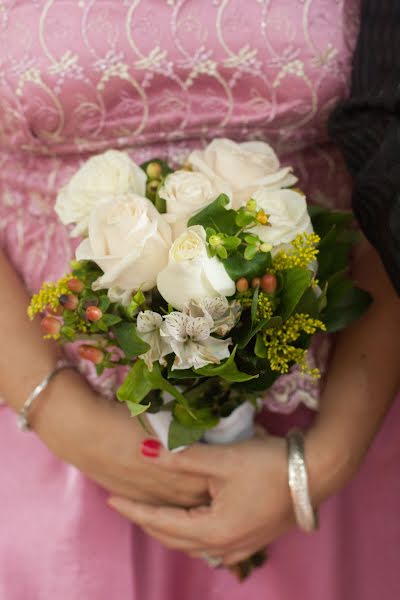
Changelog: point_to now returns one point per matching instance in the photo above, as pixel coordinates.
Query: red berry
(242, 285)
(255, 282)
(58, 311)
(93, 313)
(75, 285)
(50, 325)
(91, 353)
(69, 301)
(269, 283)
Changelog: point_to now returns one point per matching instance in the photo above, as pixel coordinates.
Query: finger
(194, 524)
(174, 543)
(200, 459)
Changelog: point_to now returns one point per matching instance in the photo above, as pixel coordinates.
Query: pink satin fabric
(160, 77)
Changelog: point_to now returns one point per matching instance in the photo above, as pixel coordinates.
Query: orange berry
(255, 282)
(57, 312)
(93, 313)
(269, 283)
(242, 285)
(50, 325)
(91, 353)
(75, 285)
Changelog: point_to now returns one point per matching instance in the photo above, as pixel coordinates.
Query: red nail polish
(151, 448)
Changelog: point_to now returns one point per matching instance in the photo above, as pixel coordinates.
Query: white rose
(129, 240)
(244, 167)
(191, 274)
(288, 215)
(106, 175)
(186, 193)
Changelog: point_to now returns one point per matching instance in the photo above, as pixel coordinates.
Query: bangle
(23, 413)
(306, 517)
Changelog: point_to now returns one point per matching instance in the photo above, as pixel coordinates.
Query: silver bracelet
(306, 517)
(23, 414)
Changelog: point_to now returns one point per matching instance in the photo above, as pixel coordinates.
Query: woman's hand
(100, 438)
(250, 500)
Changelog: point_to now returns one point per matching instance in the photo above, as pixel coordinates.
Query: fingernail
(151, 448)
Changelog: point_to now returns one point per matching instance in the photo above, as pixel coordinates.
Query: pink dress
(160, 77)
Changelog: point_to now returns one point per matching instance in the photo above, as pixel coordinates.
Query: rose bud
(91, 353)
(75, 285)
(93, 313)
(269, 283)
(50, 325)
(69, 301)
(242, 285)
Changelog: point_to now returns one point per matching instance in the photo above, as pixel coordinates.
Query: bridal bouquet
(207, 283)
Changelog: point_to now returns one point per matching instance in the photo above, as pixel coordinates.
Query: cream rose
(288, 215)
(244, 167)
(129, 240)
(186, 193)
(191, 274)
(106, 175)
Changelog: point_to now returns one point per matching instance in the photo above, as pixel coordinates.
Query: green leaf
(111, 320)
(244, 218)
(205, 419)
(217, 216)
(231, 243)
(237, 266)
(227, 370)
(345, 304)
(254, 304)
(250, 252)
(180, 435)
(104, 303)
(136, 385)
(309, 303)
(271, 323)
(259, 348)
(296, 281)
(137, 409)
(129, 340)
(251, 239)
(222, 252)
(137, 301)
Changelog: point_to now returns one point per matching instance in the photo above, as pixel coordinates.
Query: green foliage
(129, 340)
(217, 216)
(345, 303)
(227, 370)
(296, 281)
(237, 266)
(182, 435)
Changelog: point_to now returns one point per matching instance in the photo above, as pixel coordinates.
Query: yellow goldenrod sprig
(48, 295)
(264, 307)
(279, 342)
(304, 251)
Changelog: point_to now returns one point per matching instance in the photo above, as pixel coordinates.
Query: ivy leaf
(296, 281)
(217, 216)
(129, 340)
(227, 370)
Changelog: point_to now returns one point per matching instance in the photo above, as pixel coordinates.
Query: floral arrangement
(206, 282)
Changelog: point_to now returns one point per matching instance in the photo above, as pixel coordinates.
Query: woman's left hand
(250, 500)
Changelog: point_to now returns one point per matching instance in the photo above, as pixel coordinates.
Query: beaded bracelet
(23, 413)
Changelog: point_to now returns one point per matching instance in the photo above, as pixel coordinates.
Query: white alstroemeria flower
(148, 327)
(222, 314)
(190, 340)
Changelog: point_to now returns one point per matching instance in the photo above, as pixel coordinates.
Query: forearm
(25, 357)
(362, 381)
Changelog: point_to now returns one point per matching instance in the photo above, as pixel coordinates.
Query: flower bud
(69, 301)
(255, 282)
(251, 205)
(266, 247)
(215, 240)
(154, 170)
(75, 285)
(262, 217)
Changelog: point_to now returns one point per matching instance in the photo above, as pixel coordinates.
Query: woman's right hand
(101, 439)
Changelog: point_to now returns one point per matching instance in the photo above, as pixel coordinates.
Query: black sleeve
(367, 128)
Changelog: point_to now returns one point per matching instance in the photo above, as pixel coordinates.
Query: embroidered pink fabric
(159, 78)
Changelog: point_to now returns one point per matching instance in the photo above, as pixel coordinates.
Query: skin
(250, 501)
(95, 435)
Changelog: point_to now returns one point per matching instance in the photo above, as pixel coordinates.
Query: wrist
(329, 465)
